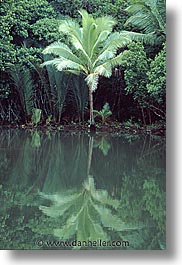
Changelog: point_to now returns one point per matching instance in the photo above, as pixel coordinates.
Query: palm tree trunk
(91, 107)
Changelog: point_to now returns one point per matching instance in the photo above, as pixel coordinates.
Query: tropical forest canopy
(135, 90)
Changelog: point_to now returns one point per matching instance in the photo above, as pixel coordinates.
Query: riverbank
(114, 127)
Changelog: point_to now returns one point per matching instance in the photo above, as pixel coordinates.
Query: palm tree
(150, 17)
(93, 50)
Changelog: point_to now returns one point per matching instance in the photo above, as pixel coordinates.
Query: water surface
(78, 191)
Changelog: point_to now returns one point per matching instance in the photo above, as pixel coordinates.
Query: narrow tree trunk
(150, 119)
(91, 107)
(143, 116)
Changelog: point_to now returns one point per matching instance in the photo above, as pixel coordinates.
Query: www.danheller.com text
(85, 243)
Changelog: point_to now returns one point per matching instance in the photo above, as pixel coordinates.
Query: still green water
(78, 191)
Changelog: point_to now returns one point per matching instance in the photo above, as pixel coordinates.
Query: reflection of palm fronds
(86, 213)
(103, 144)
(24, 168)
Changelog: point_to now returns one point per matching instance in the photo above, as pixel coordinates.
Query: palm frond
(104, 28)
(105, 23)
(104, 70)
(134, 36)
(115, 41)
(59, 83)
(68, 64)
(72, 71)
(74, 33)
(147, 15)
(22, 80)
(79, 90)
(92, 81)
(105, 55)
(95, 31)
(161, 4)
(53, 62)
(71, 28)
(27, 87)
(116, 61)
(62, 50)
(65, 64)
(88, 28)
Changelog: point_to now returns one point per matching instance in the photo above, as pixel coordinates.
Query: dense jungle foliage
(29, 93)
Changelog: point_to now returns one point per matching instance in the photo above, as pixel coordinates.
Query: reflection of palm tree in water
(90, 151)
(85, 213)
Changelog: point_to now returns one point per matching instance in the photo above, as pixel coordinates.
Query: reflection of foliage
(4, 164)
(35, 139)
(86, 213)
(103, 145)
(155, 202)
(129, 185)
(131, 138)
(16, 209)
(145, 198)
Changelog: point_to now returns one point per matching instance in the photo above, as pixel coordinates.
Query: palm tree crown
(93, 49)
(149, 16)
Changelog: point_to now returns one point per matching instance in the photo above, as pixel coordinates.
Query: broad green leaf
(36, 116)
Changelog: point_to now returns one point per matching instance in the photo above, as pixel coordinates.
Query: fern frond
(22, 81)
